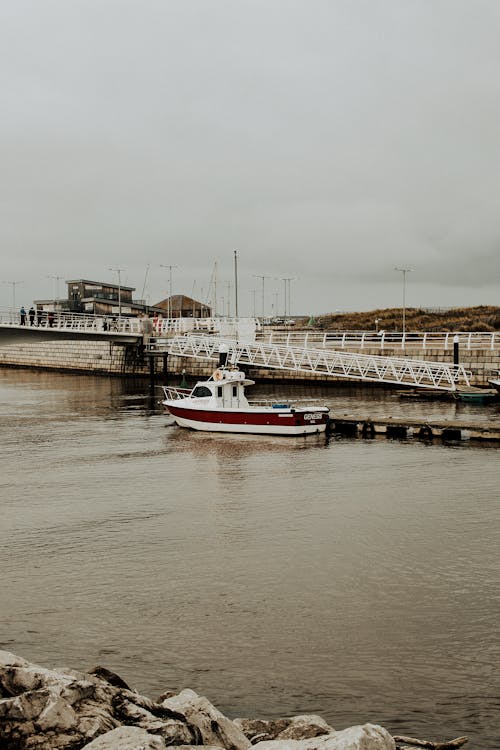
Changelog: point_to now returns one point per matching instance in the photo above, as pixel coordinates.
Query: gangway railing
(423, 340)
(351, 366)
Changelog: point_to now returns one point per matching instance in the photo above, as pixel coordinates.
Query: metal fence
(385, 339)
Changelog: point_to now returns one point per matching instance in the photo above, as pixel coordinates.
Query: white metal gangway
(351, 366)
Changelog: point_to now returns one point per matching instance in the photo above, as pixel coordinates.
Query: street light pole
(263, 278)
(404, 271)
(56, 290)
(118, 271)
(13, 285)
(288, 280)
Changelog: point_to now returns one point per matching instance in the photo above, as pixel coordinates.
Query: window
(200, 391)
(219, 391)
(235, 391)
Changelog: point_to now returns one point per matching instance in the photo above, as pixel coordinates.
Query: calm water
(355, 579)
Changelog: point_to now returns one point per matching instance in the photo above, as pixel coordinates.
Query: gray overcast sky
(327, 140)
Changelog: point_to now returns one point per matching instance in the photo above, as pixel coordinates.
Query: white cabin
(225, 389)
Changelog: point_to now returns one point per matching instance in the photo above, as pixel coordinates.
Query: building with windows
(100, 298)
(103, 298)
(96, 298)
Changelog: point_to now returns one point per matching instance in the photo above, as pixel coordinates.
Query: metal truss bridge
(328, 362)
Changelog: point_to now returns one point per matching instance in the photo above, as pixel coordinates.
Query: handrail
(173, 393)
(332, 362)
(65, 320)
(155, 326)
(424, 340)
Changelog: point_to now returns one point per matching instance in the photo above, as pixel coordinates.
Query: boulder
(214, 727)
(126, 738)
(288, 728)
(54, 710)
(366, 737)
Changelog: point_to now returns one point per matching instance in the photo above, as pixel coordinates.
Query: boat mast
(215, 290)
(236, 284)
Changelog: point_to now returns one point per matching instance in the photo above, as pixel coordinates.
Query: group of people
(36, 317)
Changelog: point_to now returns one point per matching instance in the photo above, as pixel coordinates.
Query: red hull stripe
(257, 418)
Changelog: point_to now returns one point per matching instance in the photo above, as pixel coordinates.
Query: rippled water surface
(355, 579)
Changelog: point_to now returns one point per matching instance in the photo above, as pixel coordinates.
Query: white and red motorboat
(219, 404)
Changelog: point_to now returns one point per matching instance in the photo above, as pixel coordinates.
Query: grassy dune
(481, 318)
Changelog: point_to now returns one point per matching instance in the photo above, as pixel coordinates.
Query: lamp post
(404, 271)
(287, 288)
(263, 278)
(13, 285)
(169, 307)
(119, 271)
(275, 305)
(55, 278)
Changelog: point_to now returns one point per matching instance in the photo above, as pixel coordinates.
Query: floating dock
(410, 428)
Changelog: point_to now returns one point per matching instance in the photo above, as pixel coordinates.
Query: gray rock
(127, 738)
(366, 737)
(287, 728)
(214, 727)
(51, 710)
(108, 676)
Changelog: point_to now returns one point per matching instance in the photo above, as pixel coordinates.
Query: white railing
(348, 365)
(469, 340)
(165, 327)
(153, 326)
(174, 393)
(78, 322)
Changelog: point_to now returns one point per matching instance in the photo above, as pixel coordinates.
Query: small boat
(476, 395)
(219, 404)
(495, 382)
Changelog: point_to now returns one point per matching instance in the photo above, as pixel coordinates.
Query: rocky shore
(46, 709)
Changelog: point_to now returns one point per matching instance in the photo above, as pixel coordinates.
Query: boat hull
(251, 421)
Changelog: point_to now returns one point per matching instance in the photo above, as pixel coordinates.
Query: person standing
(32, 315)
(39, 316)
(22, 313)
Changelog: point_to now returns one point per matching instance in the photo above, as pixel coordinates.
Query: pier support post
(151, 372)
(456, 352)
(165, 368)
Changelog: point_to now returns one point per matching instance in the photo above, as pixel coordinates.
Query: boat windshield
(201, 391)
